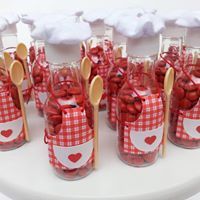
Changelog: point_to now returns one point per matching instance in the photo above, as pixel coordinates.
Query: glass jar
(12, 133)
(69, 123)
(100, 63)
(140, 114)
(115, 79)
(169, 56)
(184, 126)
(40, 76)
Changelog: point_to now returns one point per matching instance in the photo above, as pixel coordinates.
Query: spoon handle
(166, 125)
(87, 86)
(27, 73)
(96, 142)
(21, 99)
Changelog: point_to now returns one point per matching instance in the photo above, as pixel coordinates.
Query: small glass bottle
(40, 76)
(140, 108)
(116, 77)
(12, 133)
(69, 125)
(184, 125)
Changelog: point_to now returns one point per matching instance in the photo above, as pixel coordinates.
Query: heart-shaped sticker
(150, 140)
(74, 157)
(6, 133)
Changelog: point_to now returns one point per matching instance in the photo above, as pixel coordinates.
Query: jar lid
(145, 46)
(62, 53)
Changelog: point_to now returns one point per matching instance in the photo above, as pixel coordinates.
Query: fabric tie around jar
(145, 134)
(188, 125)
(72, 147)
(11, 123)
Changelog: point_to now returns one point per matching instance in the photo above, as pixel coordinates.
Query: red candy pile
(115, 80)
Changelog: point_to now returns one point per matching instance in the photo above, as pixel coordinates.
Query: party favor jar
(100, 61)
(140, 107)
(69, 131)
(169, 56)
(115, 80)
(184, 126)
(40, 75)
(11, 124)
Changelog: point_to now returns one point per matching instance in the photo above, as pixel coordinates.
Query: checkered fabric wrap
(41, 87)
(74, 131)
(150, 118)
(194, 113)
(112, 106)
(108, 49)
(8, 111)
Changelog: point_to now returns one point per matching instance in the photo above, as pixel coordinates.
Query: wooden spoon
(17, 77)
(95, 94)
(86, 66)
(168, 86)
(22, 53)
(8, 60)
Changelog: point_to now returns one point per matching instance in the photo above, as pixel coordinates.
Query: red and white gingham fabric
(151, 118)
(74, 131)
(194, 113)
(108, 49)
(8, 113)
(41, 87)
(112, 101)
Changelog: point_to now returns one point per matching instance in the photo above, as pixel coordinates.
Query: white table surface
(26, 174)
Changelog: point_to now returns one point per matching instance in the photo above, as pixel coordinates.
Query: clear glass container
(69, 123)
(100, 63)
(184, 123)
(115, 80)
(11, 124)
(140, 114)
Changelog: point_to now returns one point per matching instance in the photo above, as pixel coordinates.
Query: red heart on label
(6, 133)
(74, 157)
(150, 140)
(198, 129)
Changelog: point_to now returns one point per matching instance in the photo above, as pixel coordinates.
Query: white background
(48, 5)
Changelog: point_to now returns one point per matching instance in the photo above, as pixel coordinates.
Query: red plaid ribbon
(74, 131)
(194, 113)
(108, 49)
(151, 118)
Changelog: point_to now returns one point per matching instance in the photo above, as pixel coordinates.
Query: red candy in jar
(69, 124)
(100, 66)
(184, 126)
(40, 76)
(12, 133)
(140, 115)
(32, 54)
(115, 80)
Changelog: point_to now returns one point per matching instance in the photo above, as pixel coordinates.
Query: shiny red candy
(32, 54)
